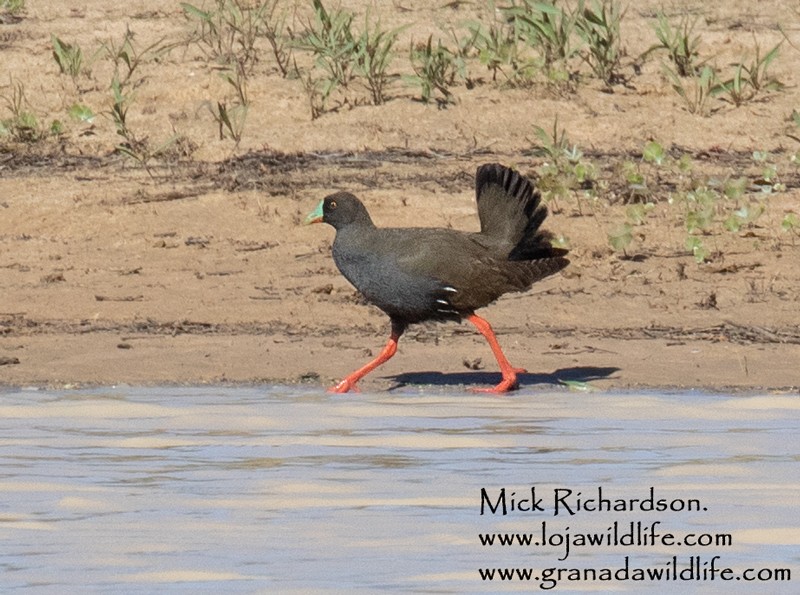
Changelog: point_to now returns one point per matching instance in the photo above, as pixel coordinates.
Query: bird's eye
(332, 205)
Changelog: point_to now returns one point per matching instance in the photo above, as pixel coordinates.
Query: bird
(418, 274)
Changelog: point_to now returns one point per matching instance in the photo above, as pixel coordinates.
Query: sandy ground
(200, 270)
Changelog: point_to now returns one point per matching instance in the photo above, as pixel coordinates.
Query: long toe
(508, 383)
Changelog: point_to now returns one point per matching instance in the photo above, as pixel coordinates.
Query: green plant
(228, 32)
(500, 50)
(750, 80)
(231, 114)
(599, 27)
(497, 49)
(373, 54)
(654, 153)
(545, 27)
(12, 7)
(275, 30)
(565, 171)
(680, 43)
(620, 237)
(695, 90)
(81, 113)
(24, 126)
(127, 58)
(791, 224)
(230, 119)
(132, 146)
(331, 40)
(69, 57)
(769, 181)
(435, 69)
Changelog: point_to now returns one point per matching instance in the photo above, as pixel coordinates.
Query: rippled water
(285, 489)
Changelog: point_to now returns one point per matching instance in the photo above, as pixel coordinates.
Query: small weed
(138, 149)
(24, 126)
(373, 53)
(12, 7)
(565, 172)
(654, 153)
(127, 58)
(276, 32)
(231, 114)
(68, 57)
(680, 43)
(435, 69)
(228, 32)
(748, 81)
(343, 55)
(791, 224)
(599, 27)
(545, 27)
(769, 181)
(230, 119)
(499, 51)
(621, 237)
(81, 113)
(695, 90)
(695, 245)
(331, 40)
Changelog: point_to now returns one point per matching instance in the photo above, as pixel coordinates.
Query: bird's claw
(345, 386)
(508, 383)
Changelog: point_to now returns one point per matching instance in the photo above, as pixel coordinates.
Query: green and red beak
(316, 215)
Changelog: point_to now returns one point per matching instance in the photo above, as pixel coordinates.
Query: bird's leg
(349, 382)
(509, 381)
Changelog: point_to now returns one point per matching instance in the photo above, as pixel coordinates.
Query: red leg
(509, 381)
(349, 383)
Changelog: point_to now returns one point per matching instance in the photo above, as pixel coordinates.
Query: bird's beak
(316, 215)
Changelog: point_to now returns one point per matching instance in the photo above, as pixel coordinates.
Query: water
(285, 489)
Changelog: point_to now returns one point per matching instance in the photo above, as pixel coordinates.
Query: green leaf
(699, 252)
(734, 189)
(578, 386)
(732, 224)
(790, 222)
(653, 153)
(621, 237)
(190, 10)
(81, 113)
(637, 213)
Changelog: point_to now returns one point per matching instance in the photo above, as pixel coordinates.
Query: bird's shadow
(478, 378)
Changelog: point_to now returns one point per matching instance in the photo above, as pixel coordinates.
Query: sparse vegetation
(12, 7)
(435, 70)
(24, 126)
(599, 27)
(696, 90)
(127, 58)
(68, 57)
(680, 42)
(343, 55)
(748, 81)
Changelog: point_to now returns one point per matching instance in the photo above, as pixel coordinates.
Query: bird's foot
(508, 383)
(345, 386)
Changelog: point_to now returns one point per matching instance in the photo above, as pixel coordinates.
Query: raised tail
(510, 210)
